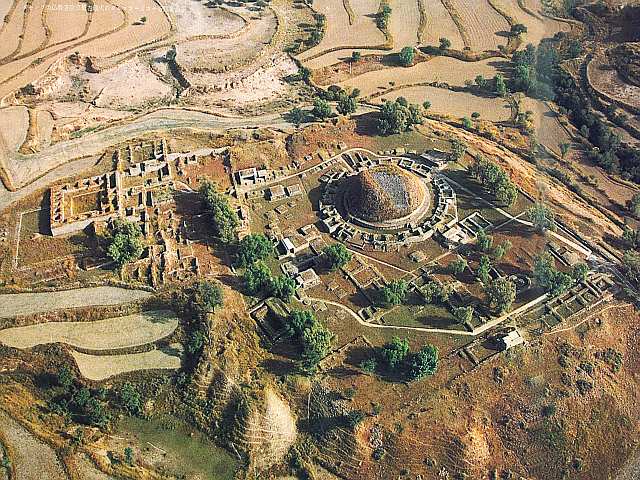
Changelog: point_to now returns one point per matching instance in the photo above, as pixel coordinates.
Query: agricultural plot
(196, 19)
(14, 122)
(111, 333)
(550, 133)
(341, 34)
(101, 367)
(438, 24)
(454, 104)
(538, 27)
(439, 69)
(31, 457)
(15, 304)
(484, 28)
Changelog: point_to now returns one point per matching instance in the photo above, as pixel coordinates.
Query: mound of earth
(626, 58)
(384, 193)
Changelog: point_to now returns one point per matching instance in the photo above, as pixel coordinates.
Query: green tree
(369, 365)
(128, 456)
(321, 109)
(483, 270)
(542, 217)
(65, 377)
(518, 28)
(407, 55)
(196, 342)
(252, 248)
(467, 123)
(564, 149)
(355, 56)
(395, 352)
(445, 43)
(337, 255)
(314, 338)
(458, 150)
(548, 277)
(283, 287)
(484, 241)
(130, 399)
(346, 105)
(426, 105)
(580, 272)
(501, 85)
(398, 117)
(126, 243)
(207, 296)
(458, 266)
(224, 219)
(475, 115)
(297, 116)
(634, 205)
(257, 278)
(395, 292)
(500, 250)
(423, 363)
(631, 266)
(631, 237)
(501, 293)
(463, 314)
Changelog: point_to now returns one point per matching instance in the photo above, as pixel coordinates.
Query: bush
(321, 109)
(130, 399)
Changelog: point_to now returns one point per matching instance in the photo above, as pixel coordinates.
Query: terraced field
(108, 334)
(101, 367)
(454, 104)
(29, 303)
(439, 69)
(483, 27)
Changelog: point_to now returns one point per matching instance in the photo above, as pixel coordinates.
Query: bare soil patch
(14, 122)
(481, 24)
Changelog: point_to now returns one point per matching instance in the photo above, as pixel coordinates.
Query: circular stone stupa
(385, 195)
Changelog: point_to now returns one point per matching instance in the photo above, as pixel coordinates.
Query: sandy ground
(32, 458)
(481, 23)
(440, 24)
(14, 123)
(439, 69)
(108, 334)
(455, 104)
(65, 23)
(28, 303)
(404, 24)
(193, 18)
(101, 367)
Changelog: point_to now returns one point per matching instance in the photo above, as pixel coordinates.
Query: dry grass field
(454, 104)
(15, 304)
(108, 334)
(101, 367)
(439, 24)
(481, 24)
